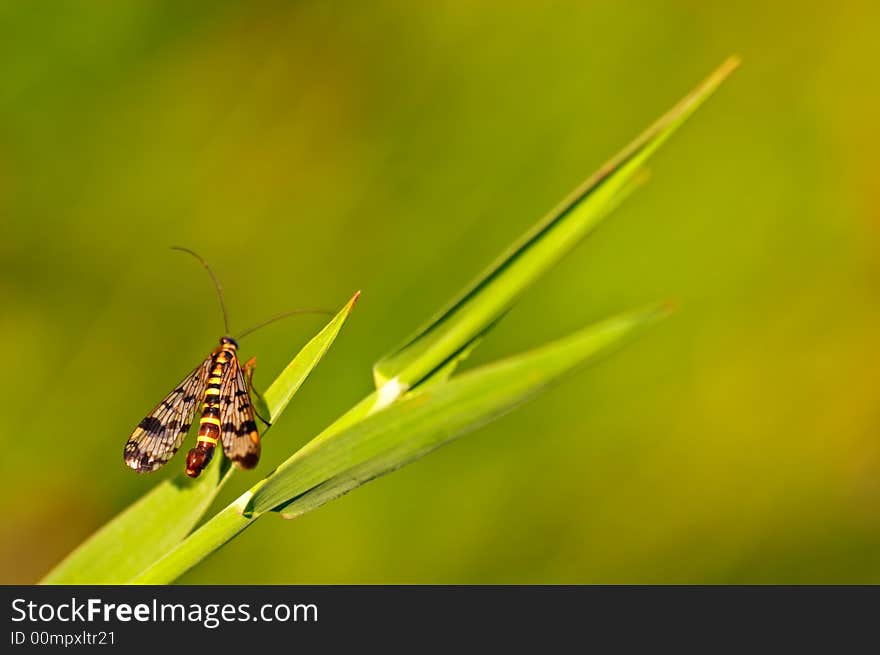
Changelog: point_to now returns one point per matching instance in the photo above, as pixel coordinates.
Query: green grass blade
(160, 520)
(222, 527)
(421, 421)
(498, 288)
(333, 464)
(425, 419)
(142, 532)
(288, 383)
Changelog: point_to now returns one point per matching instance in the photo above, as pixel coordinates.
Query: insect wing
(157, 437)
(238, 430)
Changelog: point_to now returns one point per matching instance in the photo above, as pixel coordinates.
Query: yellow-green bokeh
(312, 149)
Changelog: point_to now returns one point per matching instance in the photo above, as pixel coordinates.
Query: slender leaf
(495, 291)
(418, 423)
(467, 402)
(278, 395)
(159, 520)
(425, 419)
(142, 532)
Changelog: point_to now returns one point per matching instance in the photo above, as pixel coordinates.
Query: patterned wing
(238, 430)
(156, 438)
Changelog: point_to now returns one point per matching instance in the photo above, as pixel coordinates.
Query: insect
(222, 387)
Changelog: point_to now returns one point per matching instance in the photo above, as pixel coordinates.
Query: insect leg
(248, 369)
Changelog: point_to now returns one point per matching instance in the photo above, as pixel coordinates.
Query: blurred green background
(312, 149)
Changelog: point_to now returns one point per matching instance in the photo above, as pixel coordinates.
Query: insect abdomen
(209, 424)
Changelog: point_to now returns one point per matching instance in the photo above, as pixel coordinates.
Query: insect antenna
(277, 317)
(216, 283)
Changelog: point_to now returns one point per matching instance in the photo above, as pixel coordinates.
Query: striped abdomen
(209, 424)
